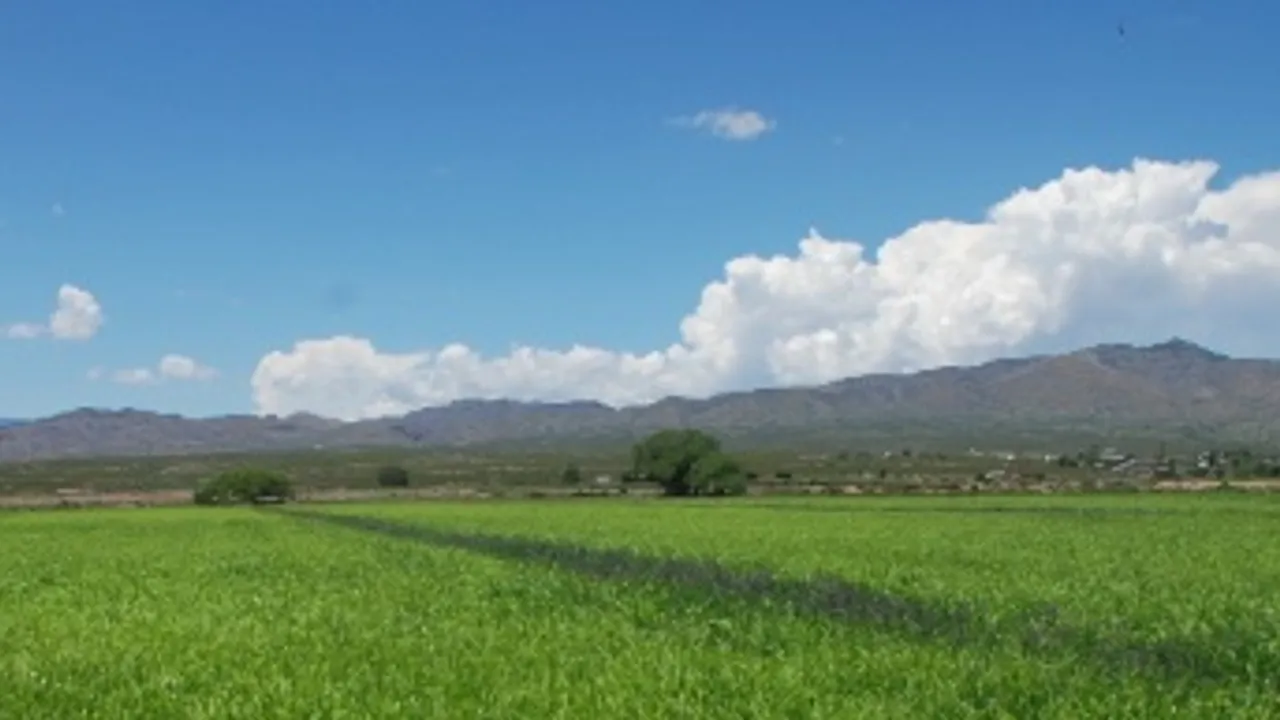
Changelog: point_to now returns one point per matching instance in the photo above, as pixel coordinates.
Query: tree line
(684, 463)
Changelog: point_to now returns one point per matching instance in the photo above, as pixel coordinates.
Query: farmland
(1066, 607)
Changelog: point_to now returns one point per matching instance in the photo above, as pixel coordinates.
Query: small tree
(244, 485)
(717, 474)
(686, 462)
(393, 476)
(571, 475)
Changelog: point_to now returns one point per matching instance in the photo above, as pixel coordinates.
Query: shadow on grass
(1239, 659)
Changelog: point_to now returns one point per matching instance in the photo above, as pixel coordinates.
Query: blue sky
(228, 178)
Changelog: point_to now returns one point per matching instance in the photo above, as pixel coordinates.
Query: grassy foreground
(1132, 606)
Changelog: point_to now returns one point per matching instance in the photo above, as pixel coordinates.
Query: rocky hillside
(1172, 386)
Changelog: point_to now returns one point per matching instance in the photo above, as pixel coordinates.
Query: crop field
(1062, 607)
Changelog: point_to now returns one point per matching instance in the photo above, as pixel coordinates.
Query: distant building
(1112, 456)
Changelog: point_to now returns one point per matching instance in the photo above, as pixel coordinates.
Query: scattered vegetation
(244, 485)
(571, 475)
(853, 466)
(393, 476)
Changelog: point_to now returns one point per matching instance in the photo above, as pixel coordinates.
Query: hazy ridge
(1172, 387)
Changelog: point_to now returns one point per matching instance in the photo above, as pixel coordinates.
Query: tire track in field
(1237, 660)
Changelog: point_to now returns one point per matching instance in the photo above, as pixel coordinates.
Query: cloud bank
(170, 367)
(78, 316)
(1148, 251)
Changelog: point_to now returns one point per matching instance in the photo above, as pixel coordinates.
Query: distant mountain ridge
(1172, 386)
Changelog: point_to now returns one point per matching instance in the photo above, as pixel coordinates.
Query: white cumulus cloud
(729, 123)
(1140, 253)
(170, 367)
(181, 367)
(78, 316)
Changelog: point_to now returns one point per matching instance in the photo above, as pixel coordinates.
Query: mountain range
(1174, 388)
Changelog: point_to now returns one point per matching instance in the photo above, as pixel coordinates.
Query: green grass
(1123, 606)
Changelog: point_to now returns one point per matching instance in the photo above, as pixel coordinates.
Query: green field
(1120, 606)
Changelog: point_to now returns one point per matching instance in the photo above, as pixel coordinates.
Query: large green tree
(686, 462)
(244, 485)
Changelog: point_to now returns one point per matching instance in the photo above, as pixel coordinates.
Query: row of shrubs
(243, 486)
(683, 462)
